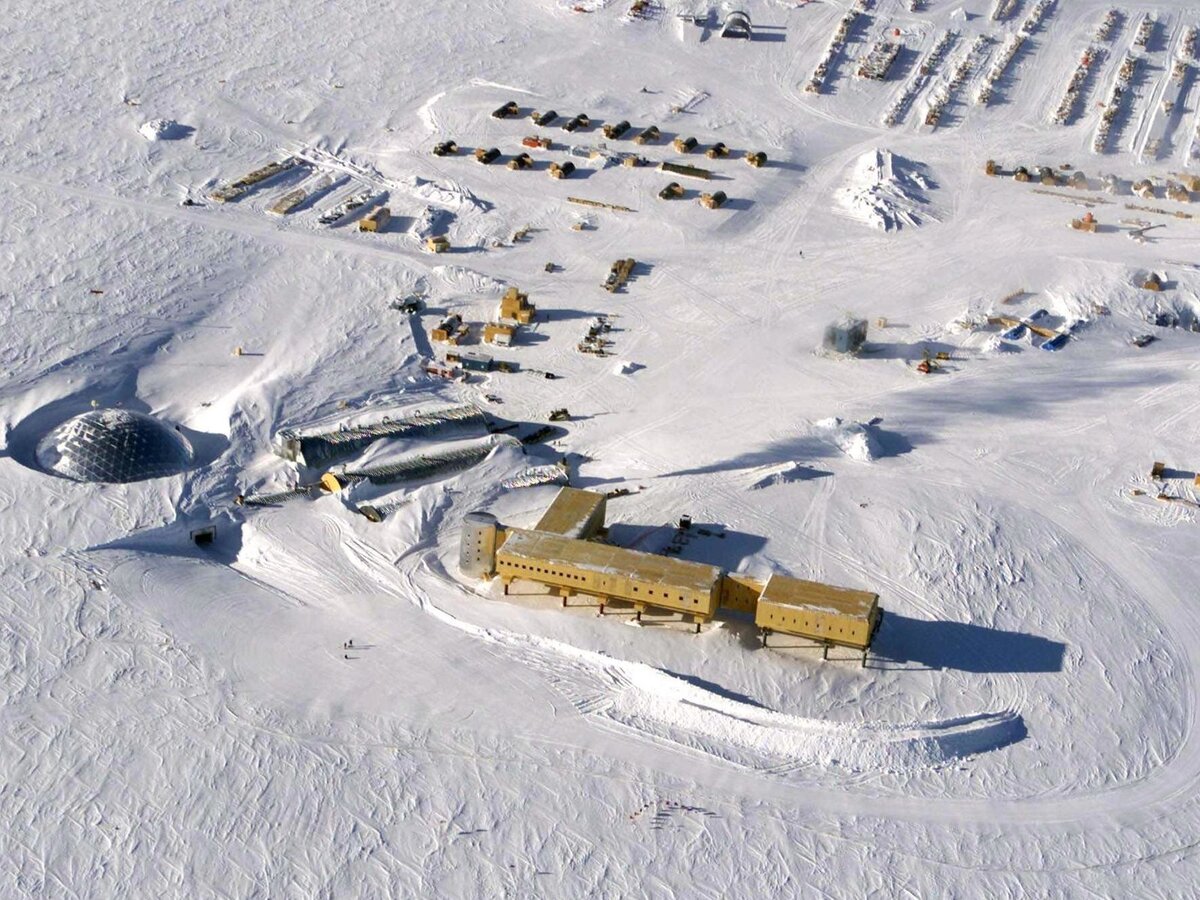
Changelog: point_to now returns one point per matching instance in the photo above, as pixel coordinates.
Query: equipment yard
(849, 589)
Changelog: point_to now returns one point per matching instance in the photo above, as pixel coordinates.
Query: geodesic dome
(114, 446)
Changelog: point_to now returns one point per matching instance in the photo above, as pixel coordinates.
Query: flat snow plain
(180, 721)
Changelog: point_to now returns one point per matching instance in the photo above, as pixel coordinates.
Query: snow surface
(186, 721)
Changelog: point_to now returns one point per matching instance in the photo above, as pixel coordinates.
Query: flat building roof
(570, 512)
(813, 595)
(607, 560)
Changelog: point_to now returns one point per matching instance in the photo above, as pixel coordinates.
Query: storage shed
(820, 612)
(377, 220)
(499, 333)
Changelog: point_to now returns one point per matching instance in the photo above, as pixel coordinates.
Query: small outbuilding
(377, 220)
(847, 335)
(737, 25)
(672, 191)
(614, 130)
(648, 136)
(1178, 193)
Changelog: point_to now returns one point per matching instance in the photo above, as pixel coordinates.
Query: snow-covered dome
(114, 445)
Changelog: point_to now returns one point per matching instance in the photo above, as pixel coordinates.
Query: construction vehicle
(410, 305)
(560, 415)
(618, 274)
(538, 143)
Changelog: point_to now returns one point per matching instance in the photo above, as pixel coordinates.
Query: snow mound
(163, 130)
(624, 367)
(536, 475)
(449, 194)
(431, 222)
(887, 191)
(656, 704)
(787, 474)
(857, 440)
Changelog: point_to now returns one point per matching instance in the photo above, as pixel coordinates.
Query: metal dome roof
(114, 445)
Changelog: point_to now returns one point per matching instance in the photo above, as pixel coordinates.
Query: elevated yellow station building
(565, 553)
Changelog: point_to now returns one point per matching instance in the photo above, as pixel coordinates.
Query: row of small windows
(805, 623)
(538, 570)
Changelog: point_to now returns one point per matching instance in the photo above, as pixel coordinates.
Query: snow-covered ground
(186, 721)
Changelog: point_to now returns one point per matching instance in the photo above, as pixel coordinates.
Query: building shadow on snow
(907, 643)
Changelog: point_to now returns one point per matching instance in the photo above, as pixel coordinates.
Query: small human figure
(350, 643)
(345, 656)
